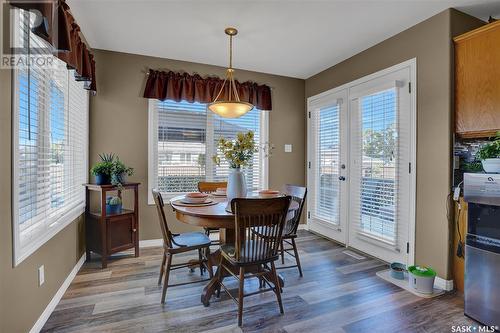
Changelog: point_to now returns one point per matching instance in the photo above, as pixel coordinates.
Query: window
(50, 143)
(183, 138)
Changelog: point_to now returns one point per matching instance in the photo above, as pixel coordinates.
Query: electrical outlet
(41, 275)
(288, 148)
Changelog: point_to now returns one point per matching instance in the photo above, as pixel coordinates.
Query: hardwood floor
(338, 293)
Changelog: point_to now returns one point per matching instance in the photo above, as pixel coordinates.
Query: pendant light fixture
(232, 107)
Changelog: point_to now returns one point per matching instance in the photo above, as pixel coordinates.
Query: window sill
(21, 253)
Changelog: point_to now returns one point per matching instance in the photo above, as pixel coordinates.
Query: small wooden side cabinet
(108, 234)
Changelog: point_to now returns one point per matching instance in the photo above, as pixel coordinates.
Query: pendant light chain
(232, 84)
(233, 107)
(231, 52)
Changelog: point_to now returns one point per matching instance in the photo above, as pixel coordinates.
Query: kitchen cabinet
(477, 82)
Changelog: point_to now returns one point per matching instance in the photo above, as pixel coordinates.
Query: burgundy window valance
(59, 28)
(193, 88)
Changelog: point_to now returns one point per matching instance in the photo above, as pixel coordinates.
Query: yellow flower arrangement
(238, 152)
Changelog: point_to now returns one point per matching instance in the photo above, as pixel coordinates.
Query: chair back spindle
(298, 194)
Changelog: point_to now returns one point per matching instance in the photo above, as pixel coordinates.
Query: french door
(380, 166)
(361, 150)
(328, 134)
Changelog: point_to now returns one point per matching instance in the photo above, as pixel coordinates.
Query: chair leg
(282, 252)
(162, 267)
(240, 296)
(219, 277)
(200, 258)
(208, 264)
(261, 281)
(165, 282)
(277, 287)
(297, 260)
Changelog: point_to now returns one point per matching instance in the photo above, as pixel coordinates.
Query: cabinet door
(120, 233)
(477, 82)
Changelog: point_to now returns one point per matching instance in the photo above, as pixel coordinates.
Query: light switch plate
(41, 275)
(288, 148)
(456, 193)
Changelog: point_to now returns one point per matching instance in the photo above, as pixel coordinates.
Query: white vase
(236, 186)
(491, 165)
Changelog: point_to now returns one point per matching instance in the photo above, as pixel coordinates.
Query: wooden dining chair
(179, 243)
(252, 249)
(298, 194)
(210, 187)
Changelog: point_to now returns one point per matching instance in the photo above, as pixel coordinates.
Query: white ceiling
(291, 38)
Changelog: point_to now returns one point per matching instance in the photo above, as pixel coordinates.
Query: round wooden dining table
(214, 216)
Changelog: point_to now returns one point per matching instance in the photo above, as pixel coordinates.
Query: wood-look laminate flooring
(338, 293)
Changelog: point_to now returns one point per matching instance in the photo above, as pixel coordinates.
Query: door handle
(342, 178)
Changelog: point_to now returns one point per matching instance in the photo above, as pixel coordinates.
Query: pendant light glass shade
(232, 107)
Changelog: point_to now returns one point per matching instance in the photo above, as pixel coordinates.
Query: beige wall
(119, 122)
(22, 301)
(429, 42)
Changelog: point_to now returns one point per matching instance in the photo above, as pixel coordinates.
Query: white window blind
(183, 138)
(326, 164)
(375, 190)
(50, 146)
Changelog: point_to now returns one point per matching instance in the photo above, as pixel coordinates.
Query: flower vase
(236, 186)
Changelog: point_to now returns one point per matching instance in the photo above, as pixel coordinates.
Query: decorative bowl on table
(195, 197)
(269, 194)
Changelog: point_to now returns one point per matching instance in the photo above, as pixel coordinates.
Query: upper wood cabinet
(477, 82)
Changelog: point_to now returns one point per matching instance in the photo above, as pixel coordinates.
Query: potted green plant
(119, 172)
(489, 154)
(113, 205)
(103, 170)
(238, 153)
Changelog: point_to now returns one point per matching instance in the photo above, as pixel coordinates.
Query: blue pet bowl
(398, 270)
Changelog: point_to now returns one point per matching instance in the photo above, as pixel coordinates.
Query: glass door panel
(327, 155)
(327, 164)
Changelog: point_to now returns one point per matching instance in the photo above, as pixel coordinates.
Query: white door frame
(412, 65)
